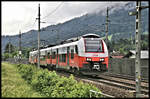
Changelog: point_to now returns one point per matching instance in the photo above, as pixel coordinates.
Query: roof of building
(116, 56)
(144, 53)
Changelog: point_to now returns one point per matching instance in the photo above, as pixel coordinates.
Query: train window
(53, 55)
(41, 56)
(72, 53)
(63, 57)
(60, 58)
(93, 45)
(76, 49)
(48, 55)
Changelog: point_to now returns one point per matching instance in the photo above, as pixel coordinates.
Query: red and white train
(85, 54)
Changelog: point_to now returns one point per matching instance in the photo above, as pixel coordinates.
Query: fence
(99, 93)
(126, 66)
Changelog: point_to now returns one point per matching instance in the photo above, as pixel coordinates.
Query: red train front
(93, 54)
(86, 54)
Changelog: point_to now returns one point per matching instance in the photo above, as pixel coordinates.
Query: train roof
(73, 41)
(65, 45)
(69, 42)
(55, 47)
(90, 35)
(43, 49)
(33, 52)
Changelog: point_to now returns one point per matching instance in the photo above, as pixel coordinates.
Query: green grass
(109, 37)
(12, 83)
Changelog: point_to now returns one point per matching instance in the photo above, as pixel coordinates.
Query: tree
(25, 52)
(144, 45)
(9, 51)
(9, 47)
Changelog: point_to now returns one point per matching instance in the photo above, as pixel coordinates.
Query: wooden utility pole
(39, 37)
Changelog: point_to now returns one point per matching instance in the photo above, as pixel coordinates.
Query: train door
(57, 58)
(68, 55)
(46, 58)
(51, 57)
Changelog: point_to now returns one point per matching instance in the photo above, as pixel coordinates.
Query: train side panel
(80, 54)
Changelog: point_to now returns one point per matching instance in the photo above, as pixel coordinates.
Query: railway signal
(138, 46)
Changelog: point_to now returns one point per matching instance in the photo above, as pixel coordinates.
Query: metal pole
(131, 39)
(57, 37)
(9, 48)
(107, 31)
(107, 27)
(138, 50)
(39, 38)
(19, 46)
(138, 46)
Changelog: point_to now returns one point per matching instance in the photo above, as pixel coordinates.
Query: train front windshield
(93, 45)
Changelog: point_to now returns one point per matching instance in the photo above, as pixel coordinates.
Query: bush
(44, 80)
(6, 56)
(64, 87)
(27, 71)
(50, 84)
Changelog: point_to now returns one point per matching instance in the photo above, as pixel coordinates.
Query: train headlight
(101, 59)
(88, 59)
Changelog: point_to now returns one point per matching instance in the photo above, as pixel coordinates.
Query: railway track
(144, 85)
(122, 84)
(125, 77)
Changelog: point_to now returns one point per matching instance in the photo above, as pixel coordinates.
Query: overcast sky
(21, 15)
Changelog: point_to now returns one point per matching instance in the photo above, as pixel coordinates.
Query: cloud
(21, 15)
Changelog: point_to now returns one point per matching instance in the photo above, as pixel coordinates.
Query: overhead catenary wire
(34, 22)
(53, 11)
(25, 38)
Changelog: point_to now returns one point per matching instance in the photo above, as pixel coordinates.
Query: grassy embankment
(13, 85)
(19, 80)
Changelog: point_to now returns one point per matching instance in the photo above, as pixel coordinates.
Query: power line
(53, 10)
(31, 27)
(34, 22)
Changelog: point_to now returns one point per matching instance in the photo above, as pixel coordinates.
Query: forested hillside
(121, 26)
